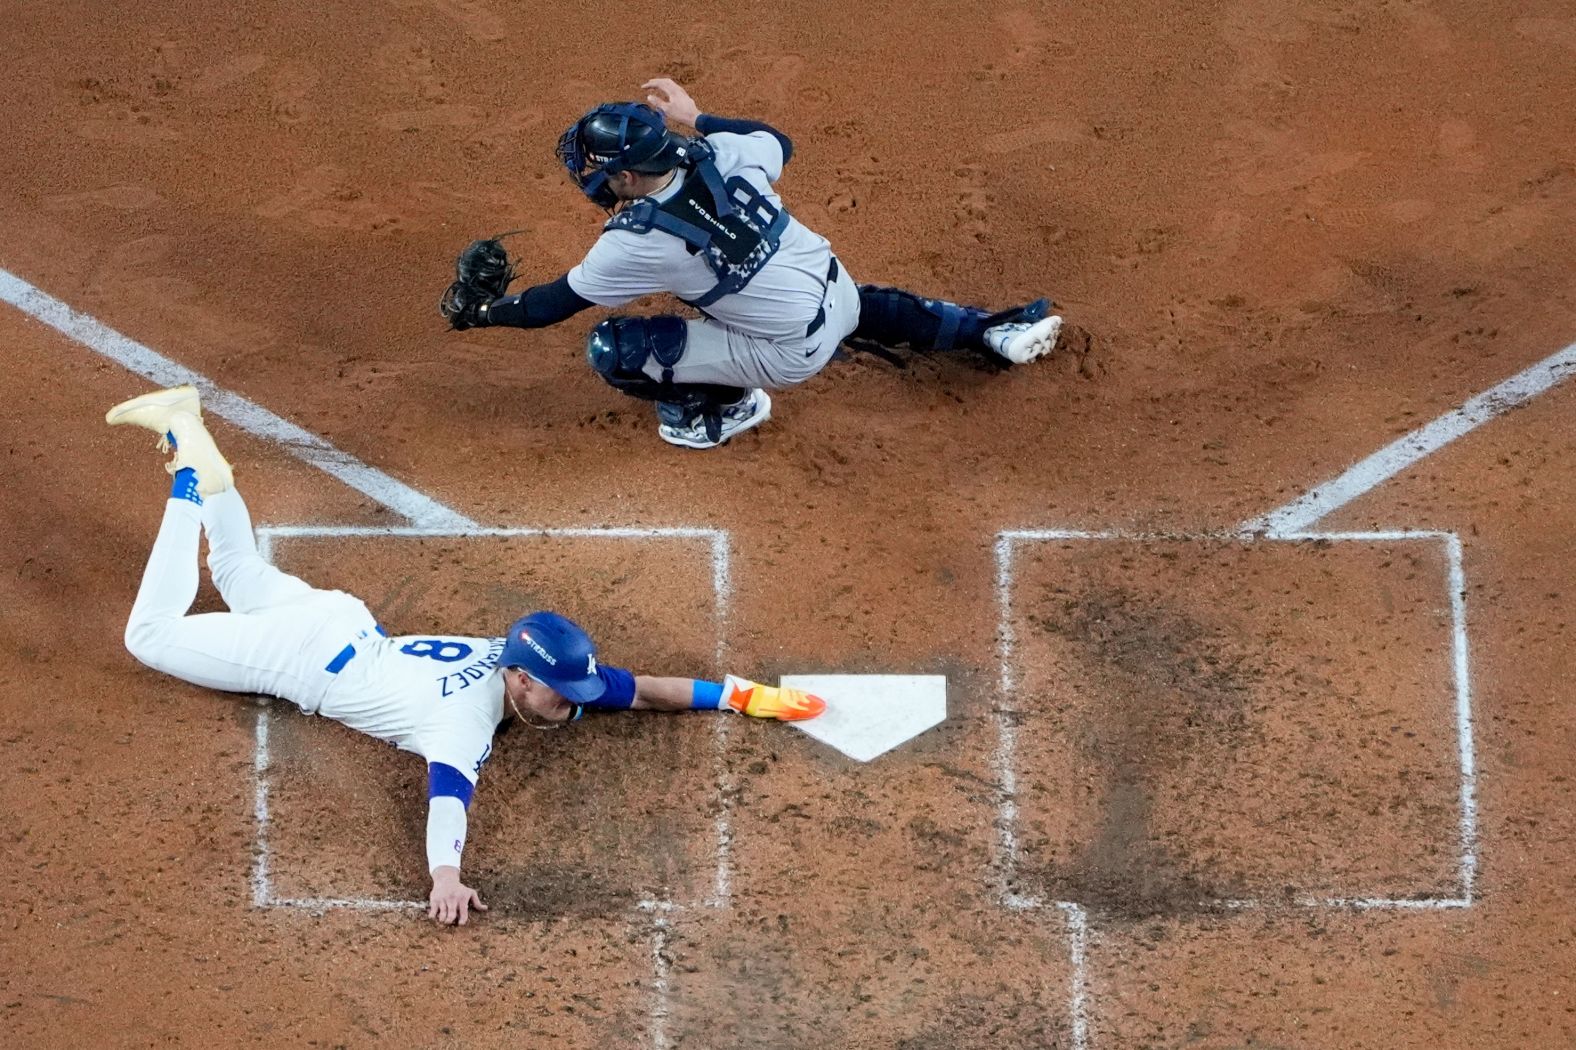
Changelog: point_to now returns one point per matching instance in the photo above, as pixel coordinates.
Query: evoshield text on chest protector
(730, 225)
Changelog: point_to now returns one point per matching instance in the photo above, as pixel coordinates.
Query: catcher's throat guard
(615, 137)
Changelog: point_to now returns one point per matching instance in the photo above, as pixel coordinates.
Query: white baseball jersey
(777, 301)
(439, 697)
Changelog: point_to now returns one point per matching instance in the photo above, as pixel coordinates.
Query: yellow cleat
(154, 410)
(770, 701)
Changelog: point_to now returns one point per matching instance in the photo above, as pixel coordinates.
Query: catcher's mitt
(481, 274)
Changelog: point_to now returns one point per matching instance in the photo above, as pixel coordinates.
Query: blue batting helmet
(555, 651)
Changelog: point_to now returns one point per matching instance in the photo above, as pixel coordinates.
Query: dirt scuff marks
(1168, 692)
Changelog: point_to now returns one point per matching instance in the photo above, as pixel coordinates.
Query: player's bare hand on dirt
(671, 100)
(450, 901)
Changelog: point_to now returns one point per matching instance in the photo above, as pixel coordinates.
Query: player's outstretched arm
(623, 690)
(738, 694)
(538, 306)
(448, 795)
(664, 694)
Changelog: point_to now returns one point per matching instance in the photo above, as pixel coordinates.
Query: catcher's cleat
(752, 410)
(1021, 342)
(194, 448)
(153, 411)
(770, 701)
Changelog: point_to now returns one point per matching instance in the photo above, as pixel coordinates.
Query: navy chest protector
(728, 224)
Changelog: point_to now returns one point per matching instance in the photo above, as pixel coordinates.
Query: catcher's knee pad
(894, 317)
(619, 348)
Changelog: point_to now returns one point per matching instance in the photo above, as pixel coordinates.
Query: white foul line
(247, 415)
(1395, 457)
(1004, 759)
(324, 904)
(662, 965)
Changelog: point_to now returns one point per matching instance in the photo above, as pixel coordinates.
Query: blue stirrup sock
(184, 486)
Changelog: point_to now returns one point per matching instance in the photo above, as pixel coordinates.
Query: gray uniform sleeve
(758, 149)
(621, 266)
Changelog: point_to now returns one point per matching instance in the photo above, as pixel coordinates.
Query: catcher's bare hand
(450, 901)
(671, 100)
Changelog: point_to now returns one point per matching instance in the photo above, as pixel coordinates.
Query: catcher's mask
(615, 137)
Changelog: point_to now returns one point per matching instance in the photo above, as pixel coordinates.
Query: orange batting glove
(770, 701)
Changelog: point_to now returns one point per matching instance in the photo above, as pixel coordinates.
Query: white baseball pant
(279, 638)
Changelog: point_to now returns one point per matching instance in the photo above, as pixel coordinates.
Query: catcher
(698, 218)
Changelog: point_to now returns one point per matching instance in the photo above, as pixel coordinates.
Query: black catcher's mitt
(481, 274)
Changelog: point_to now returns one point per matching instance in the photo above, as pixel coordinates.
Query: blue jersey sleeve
(620, 693)
(538, 306)
(444, 779)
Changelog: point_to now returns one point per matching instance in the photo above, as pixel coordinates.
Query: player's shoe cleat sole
(770, 701)
(153, 410)
(1023, 342)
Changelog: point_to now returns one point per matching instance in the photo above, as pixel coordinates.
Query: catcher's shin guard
(619, 347)
(892, 317)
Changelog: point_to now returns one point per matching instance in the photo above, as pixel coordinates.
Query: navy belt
(347, 654)
(820, 311)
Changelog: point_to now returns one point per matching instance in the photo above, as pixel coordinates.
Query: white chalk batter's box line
(1007, 543)
(720, 543)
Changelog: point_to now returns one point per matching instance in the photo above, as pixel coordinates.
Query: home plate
(869, 714)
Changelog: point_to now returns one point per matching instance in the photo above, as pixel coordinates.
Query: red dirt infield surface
(1292, 233)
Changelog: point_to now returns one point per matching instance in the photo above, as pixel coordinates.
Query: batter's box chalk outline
(718, 543)
(1007, 853)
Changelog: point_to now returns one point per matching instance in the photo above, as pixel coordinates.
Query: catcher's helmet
(555, 651)
(615, 137)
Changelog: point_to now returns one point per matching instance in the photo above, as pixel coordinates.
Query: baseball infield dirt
(1289, 232)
